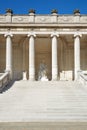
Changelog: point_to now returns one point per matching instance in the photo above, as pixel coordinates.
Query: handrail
(4, 79)
(82, 77)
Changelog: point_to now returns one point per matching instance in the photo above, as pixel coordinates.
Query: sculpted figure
(42, 74)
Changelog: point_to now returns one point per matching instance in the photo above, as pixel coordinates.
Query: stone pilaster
(31, 56)
(54, 57)
(76, 54)
(9, 53)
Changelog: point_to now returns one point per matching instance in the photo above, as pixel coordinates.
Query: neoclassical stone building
(60, 41)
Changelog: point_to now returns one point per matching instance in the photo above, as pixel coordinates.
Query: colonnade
(55, 43)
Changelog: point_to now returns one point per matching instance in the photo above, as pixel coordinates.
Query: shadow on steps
(7, 87)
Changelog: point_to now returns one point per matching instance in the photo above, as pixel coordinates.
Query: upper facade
(54, 17)
(60, 41)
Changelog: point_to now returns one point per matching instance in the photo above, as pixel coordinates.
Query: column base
(31, 79)
(55, 79)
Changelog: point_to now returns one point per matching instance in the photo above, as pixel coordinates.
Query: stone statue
(42, 74)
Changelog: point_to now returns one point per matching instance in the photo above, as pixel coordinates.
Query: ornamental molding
(17, 19)
(42, 19)
(65, 19)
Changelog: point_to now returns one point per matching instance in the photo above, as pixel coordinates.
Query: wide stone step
(44, 101)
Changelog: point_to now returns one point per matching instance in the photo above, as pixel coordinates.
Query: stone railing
(82, 77)
(43, 19)
(4, 80)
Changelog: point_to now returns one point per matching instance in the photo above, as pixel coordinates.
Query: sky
(43, 6)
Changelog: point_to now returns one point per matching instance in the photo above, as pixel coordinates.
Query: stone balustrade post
(77, 16)
(9, 14)
(31, 16)
(54, 16)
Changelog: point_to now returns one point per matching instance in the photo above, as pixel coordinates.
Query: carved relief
(42, 19)
(65, 19)
(42, 73)
(23, 19)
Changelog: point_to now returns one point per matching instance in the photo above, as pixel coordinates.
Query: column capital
(31, 34)
(8, 34)
(77, 34)
(55, 34)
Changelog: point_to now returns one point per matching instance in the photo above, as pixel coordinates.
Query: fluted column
(31, 56)
(76, 55)
(54, 57)
(9, 54)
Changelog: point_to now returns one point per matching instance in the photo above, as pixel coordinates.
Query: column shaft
(9, 54)
(31, 58)
(24, 56)
(54, 58)
(76, 56)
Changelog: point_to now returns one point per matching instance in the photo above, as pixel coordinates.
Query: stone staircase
(62, 101)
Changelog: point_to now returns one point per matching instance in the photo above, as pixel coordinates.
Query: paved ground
(44, 126)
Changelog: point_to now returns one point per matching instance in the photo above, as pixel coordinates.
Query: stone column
(24, 50)
(9, 54)
(76, 55)
(31, 57)
(54, 57)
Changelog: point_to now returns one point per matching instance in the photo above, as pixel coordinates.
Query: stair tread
(44, 100)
